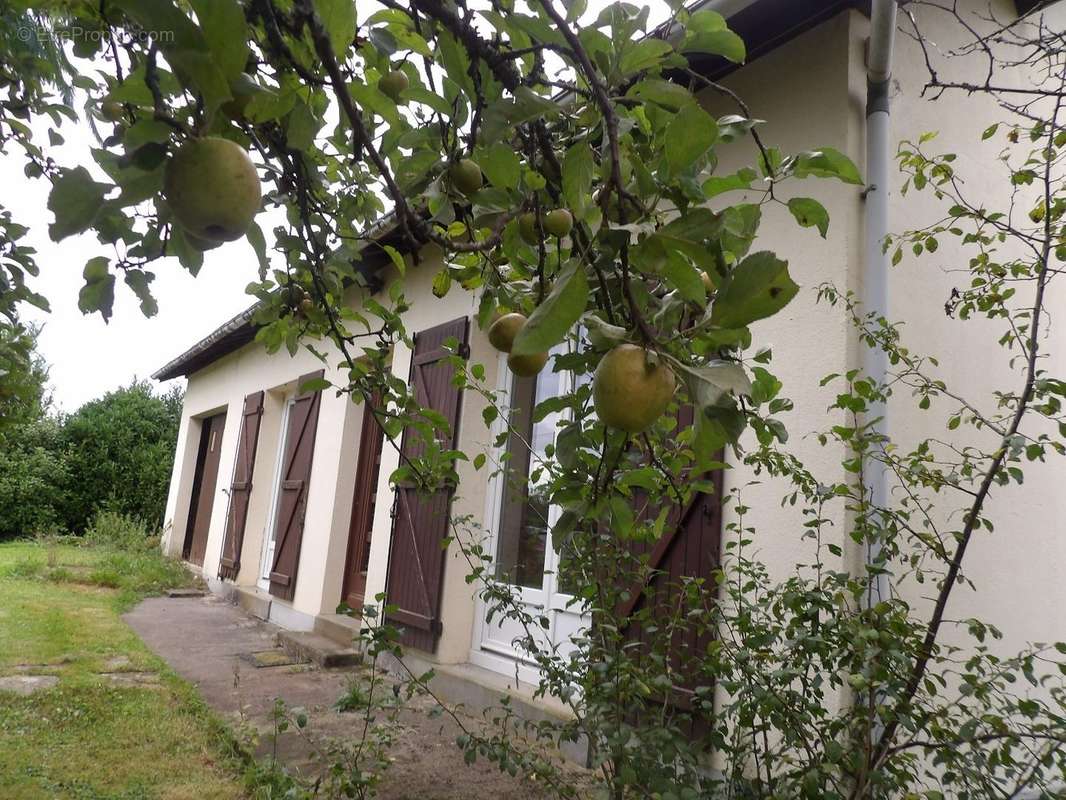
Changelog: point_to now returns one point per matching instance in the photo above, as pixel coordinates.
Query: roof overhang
(242, 329)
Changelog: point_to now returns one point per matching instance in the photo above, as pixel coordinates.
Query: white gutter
(876, 262)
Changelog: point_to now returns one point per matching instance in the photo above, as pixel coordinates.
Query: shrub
(119, 531)
(34, 474)
(120, 450)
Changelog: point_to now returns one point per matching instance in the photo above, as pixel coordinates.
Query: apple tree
(562, 166)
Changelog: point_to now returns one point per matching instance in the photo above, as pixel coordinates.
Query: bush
(120, 532)
(34, 474)
(120, 450)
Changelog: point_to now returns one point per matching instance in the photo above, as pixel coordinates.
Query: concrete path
(207, 641)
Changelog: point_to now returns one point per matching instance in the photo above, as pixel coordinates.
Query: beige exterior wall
(811, 91)
(223, 386)
(1017, 570)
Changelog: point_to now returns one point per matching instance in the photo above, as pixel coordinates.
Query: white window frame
(483, 651)
(270, 533)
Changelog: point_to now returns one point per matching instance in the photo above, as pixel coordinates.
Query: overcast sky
(88, 357)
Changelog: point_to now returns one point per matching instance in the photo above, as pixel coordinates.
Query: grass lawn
(90, 738)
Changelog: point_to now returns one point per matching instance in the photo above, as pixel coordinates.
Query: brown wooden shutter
(295, 477)
(690, 547)
(240, 489)
(420, 522)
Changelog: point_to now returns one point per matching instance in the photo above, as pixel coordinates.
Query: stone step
(184, 592)
(254, 601)
(339, 627)
(319, 649)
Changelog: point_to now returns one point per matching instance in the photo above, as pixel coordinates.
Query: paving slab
(26, 685)
(207, 640)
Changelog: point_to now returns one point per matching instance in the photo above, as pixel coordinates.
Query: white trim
(270, 532)
(485, 652)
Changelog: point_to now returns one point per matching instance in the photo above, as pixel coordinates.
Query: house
(283, 497)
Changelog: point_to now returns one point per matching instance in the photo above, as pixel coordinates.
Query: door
(203, 489)
(241, 487)
(269, 541)
(690, 547)
(368, 468)
(292, 487)
(522, 518)
(421, 521)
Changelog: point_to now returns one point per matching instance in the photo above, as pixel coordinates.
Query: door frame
(266, 555)
(208, 431)
(364, 501)
(485, 652)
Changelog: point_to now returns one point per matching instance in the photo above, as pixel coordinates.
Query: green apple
(466, 176)
(503, 331)
(559, 222)
(631, 388)
(393, 84)
(526, 366)
(213, 189)
(111, 110)
(527, 228)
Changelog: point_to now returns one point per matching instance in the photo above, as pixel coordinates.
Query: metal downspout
(876, 262)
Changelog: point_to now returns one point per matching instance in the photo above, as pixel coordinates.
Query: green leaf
(502, 116)
(688, 136)
(643, 55)
(662, 93)
(313, 385)
(269, 105)
(578, 168)
(553, 319)
(442, 282)
(684, 277)
(258, 242)
(75, 200)
(827, 163)
(722, 43)
(501, 165)
(715, 427)
(301, 126)
(138, 280)
(98, 293)
(706, 21)
(759, 287)
(338, 18)
(810, 213)
(224, 28)
(738, 180)
(185, 47)
(190, 257)
(431, 99)
(707, 384)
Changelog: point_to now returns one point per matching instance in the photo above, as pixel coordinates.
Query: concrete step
(339, 627)
(254, 601)
(184, 592)
(319, 649)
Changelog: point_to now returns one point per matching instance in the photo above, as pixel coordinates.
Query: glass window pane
(524, 529)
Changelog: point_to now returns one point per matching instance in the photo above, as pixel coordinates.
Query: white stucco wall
(223, 385)
(812, 93)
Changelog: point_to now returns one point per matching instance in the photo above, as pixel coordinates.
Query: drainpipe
(876, 262)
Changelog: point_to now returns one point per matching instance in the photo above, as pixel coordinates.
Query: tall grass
(117, 551)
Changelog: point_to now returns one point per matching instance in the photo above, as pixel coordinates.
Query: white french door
(270, 535)
(520, 520)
